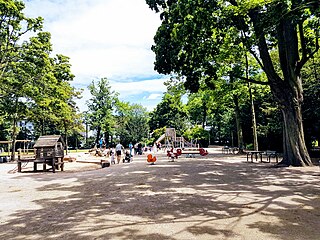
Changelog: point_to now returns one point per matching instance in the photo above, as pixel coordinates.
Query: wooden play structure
(48, 150)
(172, 141)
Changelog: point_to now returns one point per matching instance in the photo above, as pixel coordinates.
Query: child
(127, 157)
(112, 160)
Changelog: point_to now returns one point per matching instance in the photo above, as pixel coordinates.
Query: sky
(105, 38)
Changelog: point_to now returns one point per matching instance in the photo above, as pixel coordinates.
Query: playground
(217, 196)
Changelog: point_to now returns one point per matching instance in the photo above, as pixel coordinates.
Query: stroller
(127, 157)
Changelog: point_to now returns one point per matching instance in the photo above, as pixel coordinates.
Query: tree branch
(306, 57)
(263, 48)
(245, 37)
(302, 41)
(252, 80)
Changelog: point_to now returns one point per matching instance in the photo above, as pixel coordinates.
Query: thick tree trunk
(287, 89)
(294, 148)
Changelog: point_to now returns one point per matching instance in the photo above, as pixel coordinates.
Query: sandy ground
(215, 197)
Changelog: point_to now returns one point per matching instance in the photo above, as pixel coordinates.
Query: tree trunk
(66, 141)
(14, 140)
(238, 123)
(253, 113)
(287, 89)
(14, 131)
(204, 117)
(106, 138)
(294, 148)
(87, 133)
(67, 151)
(98, 135)
(254, 121)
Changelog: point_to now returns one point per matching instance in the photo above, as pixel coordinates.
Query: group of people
(115, 154)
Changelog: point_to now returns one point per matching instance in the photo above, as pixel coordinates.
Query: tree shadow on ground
(186, 199)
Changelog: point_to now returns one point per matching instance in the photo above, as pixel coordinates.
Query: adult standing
(130, 148)
(119, 148)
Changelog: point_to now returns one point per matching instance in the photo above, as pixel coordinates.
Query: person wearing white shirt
(119, 148)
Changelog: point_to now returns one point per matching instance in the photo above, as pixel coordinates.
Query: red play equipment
(175, 153)
(151, 159)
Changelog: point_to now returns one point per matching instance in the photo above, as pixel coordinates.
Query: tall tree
(100, 107)
(192, 32)
(23, 79)
(13, 25)
(132, 122)
(170, 112)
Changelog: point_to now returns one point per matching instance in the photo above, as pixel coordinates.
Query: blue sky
(105, 38)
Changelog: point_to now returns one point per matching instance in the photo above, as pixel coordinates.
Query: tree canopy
(196, 37)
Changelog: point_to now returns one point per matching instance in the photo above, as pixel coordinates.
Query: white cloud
(154, 96)
(134, 88)
(103, 38)
(153, 89)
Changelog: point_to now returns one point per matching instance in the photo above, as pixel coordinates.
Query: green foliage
(311, 106)
(33, 86)
(206, 41)
(197, 133)
(100, 108)
(132, 123)
(170, 112)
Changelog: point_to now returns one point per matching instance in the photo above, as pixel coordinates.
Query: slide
(161, 138)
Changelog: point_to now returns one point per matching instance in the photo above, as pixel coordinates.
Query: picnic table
(254, 154)
(231, 150)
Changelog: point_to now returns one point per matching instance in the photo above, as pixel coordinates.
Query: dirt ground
(213, 197)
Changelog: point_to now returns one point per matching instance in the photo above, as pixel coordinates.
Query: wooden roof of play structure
(48, 141)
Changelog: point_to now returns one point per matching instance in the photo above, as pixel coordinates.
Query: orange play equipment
(151, 159)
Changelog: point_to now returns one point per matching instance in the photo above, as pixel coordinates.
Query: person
(106, 152)
(111, 153)
(119, 148)
(100, 143)
(139, 148)
(130, 148)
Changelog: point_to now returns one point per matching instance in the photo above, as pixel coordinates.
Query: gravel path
(216, 197)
